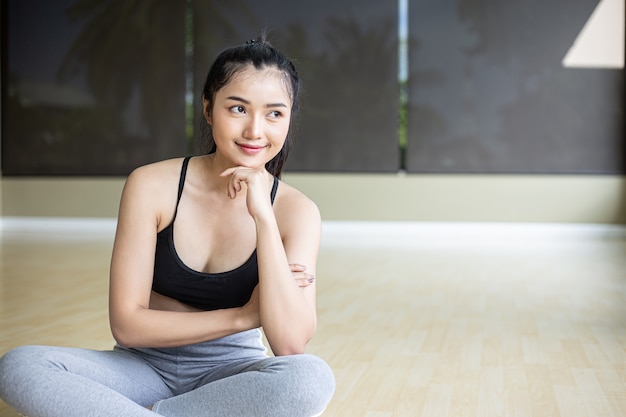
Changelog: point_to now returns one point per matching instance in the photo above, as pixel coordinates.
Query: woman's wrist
(244, 320)
(264, 216)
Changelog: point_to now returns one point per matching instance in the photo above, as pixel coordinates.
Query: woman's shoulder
(154, 186)
(293, 203)
(157, 171)
(156, 177)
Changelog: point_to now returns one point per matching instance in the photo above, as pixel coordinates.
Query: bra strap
(274, 188)
(181, 183)
(183, 174)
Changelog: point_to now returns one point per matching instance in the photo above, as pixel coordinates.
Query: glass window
(488, 92)
(346, 53)
(92, 87)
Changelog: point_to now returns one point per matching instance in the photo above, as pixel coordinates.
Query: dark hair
(260, 53)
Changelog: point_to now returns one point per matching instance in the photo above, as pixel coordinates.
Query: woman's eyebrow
(276, 105)
(235, 98)
(244, 101)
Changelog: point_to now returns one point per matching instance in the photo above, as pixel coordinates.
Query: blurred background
(467, 156)
(412, 110)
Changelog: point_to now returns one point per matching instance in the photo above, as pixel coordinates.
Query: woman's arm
(299, 273)
(288, 313)
(132, 321)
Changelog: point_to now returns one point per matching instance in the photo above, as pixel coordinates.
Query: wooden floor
(415, 319)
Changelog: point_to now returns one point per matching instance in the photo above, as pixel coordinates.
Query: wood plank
(411, 327)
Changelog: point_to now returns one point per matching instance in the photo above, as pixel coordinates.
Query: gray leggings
(231, 376)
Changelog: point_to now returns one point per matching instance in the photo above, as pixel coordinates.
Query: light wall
(371, 197)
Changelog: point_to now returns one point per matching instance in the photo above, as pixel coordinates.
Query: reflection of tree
(549, 124)
(571, 123)
(54, 140)
(216, 26)
(131, 56)
(425, 124)
(348, 118)
(350, 100)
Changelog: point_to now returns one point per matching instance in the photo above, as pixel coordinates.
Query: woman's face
(250, 117)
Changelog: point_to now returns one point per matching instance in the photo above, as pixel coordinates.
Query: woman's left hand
(258, 184)
(303, 278)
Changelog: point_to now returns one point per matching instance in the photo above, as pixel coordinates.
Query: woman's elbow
(291, 346)
(287, 350)
(124, 336)
(121, 337)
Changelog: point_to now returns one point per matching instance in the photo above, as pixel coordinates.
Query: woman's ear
(206, 110)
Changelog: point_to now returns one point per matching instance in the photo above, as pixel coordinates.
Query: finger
(303, 283)
(300, 275)
(237, 184)
(305, 280)
(229, 171)
(234, 187)
(297, 267)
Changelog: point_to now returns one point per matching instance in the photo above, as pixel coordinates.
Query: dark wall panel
(346, 52)
(92, 87)
(99, 87)
(488, 92)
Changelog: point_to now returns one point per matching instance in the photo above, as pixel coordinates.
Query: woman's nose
(253, 128)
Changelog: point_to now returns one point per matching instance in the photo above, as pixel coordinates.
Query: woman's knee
(17, 358)
(15, 366)
(317, 371)
(28, 356)
(311, 377)
(25, 363)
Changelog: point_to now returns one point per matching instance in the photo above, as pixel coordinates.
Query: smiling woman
(250, 114)
(208, 250)
(280, 97)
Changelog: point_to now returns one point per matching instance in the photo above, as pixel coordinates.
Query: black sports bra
(205, 291)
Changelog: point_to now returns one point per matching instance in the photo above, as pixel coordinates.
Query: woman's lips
(250, 149)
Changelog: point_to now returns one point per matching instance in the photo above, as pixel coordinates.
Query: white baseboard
(385, 233)
(340, 232)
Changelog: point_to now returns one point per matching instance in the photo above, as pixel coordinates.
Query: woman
(235, 250)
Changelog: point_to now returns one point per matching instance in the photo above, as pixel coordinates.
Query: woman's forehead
(250, 73)
(259, 80)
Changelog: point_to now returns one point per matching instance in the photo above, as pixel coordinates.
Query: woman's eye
(275, 114)
(238, 109)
